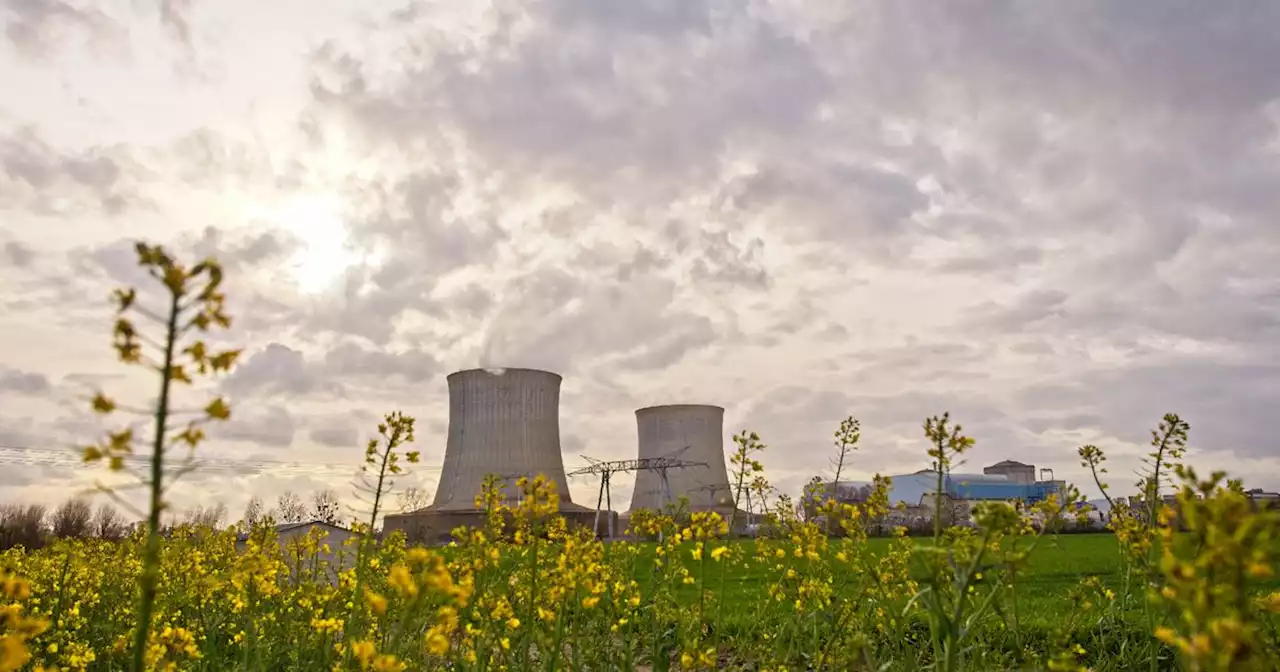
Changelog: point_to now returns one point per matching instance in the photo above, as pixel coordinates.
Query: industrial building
(1013, 471)
(1003, 481)
(504, 422)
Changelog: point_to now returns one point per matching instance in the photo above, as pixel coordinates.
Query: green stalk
(357, 600)
(1153, 506)
(62, 589)
(151, 557)
(532, 613)
(1013, 590)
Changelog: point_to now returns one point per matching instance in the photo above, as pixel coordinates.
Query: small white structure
(332, 553)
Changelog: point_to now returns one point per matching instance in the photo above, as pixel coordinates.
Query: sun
(326, 249)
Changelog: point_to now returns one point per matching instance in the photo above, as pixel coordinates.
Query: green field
(1058, 564)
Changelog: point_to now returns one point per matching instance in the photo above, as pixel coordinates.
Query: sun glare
(326, 251)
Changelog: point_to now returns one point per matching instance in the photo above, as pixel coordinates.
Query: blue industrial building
(913, 489)
(1003, 481)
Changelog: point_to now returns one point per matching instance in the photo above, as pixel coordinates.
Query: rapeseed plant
(193, 303)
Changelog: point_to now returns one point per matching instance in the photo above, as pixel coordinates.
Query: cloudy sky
(1057, 221)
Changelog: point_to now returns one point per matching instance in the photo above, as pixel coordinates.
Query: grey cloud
(279, 370)
(238, 250)
(1027, 310)
(351, 360)
(1225, 404)
(670, 347)
(341, 429)
(832, 199)
(47, 175)
(557, 320)
(173, 15)
(663, 102)
(23, 382)
(472, 302)
(719, 259)
(1076, 421)
(913, 407)
(18, 254)
(275, 370)
(922, 362)
(271, 426)
(572, 444)
(19, 433)
(35, 25)
(335, 436)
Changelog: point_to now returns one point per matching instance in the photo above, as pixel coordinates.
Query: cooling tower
(504, 422)
(690, 432)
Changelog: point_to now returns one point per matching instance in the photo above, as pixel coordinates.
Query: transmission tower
(608, 469)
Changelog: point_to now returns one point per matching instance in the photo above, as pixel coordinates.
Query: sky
(1056, 221)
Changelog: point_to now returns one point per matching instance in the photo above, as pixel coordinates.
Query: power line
(59, 457)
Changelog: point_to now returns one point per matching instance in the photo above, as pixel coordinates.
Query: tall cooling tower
(504, 422)
(692, 432)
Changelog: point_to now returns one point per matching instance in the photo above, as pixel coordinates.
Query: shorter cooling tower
(502, 422)
(691, 432)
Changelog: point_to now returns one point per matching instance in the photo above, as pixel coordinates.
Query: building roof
(1011, 463)
(285, 527)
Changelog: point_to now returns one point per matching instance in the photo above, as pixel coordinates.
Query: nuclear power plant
(691, 432)
(502, 422)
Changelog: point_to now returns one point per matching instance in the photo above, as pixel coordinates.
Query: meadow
(1187, 585)
(1051, 572)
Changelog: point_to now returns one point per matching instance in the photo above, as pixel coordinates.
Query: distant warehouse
(1003, 481)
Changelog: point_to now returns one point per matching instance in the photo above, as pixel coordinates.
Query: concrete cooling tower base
(432, 526)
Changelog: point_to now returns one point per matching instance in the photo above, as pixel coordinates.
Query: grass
(1053, 570)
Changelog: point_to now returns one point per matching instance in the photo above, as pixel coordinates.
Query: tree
(289, 508)
(412, 499)
(22, 526)
(211, 517)
(847, 437)
(743, 464)
(326, 508)
(811, 500)
(253, 515)
(71, 520)
(108, 524)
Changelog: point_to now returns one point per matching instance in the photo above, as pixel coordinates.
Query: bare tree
(847, 438)
(253, 515)
(108, 523)
(210, 517)
(289, 508)
(71, 520)
(326, 508)
(412, 499)
(811, 499)
(22, 526)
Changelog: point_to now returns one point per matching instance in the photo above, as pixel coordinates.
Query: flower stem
(151, 558)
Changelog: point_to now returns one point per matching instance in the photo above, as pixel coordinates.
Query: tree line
(35, 525)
